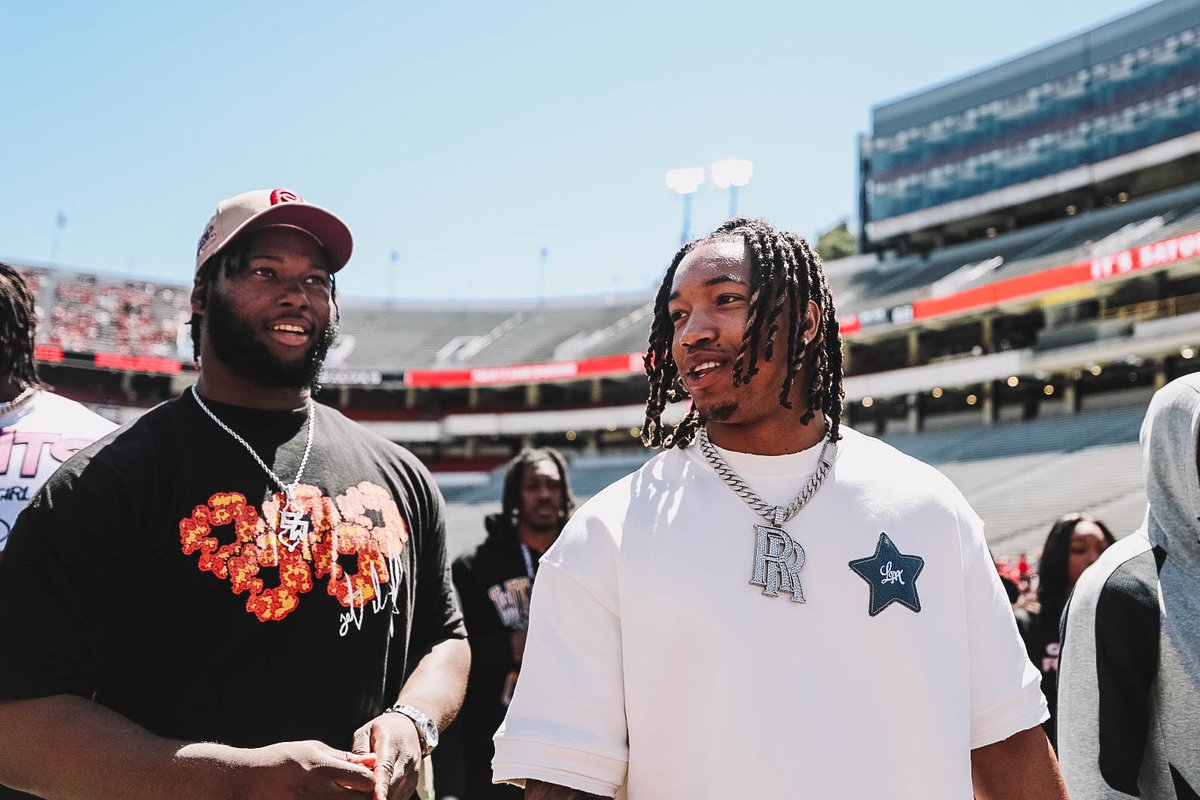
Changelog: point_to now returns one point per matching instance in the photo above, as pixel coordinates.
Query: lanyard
(529, 569)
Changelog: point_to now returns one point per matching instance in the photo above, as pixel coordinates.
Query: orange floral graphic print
(363, 522)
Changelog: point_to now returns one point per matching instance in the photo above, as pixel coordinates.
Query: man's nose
(293, 294)
(697, 329)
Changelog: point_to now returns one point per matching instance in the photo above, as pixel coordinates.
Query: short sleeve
(566, 724)
(436, 612)
(1006, 696)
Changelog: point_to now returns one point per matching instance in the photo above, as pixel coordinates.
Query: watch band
(427, 729)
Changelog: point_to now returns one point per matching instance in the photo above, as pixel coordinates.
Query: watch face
(431, 734)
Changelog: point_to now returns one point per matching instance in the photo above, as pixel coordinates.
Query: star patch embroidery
(891, 575)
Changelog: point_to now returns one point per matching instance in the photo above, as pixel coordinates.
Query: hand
(303, 769)
(393, 740)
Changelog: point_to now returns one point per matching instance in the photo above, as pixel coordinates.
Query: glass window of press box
(1138, 99)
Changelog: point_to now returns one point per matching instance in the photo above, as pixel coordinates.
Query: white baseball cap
(263, 208)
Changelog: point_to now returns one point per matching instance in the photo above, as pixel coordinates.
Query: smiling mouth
(698, 371)
(284, 328)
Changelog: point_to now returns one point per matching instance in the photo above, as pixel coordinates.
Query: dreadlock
(18, 323)
(511, 505)
(785, 274)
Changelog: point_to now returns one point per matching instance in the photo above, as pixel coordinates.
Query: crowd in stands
(133, 318)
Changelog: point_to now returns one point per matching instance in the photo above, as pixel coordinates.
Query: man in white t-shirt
(774, 606)
(38, 430)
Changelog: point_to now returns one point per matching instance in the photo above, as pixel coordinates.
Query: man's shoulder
(661, 471)
(71, 418)
(1125, 576)
(355, 434)
(875, 465)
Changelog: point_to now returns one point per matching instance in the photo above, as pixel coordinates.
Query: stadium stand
(1028, 274)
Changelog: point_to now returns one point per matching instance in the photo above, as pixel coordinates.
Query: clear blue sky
(465, 137)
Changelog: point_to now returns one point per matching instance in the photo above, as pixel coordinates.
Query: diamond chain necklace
(293, 528)
(774, 515)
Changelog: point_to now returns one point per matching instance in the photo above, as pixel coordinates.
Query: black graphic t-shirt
(149, 573)
(494, 583)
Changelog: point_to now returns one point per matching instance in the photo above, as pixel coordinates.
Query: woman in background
(1075, 542)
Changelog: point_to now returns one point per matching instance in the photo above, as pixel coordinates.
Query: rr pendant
(293, 527)
(778, 559)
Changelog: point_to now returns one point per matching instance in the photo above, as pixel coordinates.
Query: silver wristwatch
(427, 729)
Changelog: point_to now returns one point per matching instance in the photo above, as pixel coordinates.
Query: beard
(720, 412)
(235, 341)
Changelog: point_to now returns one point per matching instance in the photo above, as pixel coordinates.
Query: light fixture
(1095, 369)
(1013, 380)
(570, 436)
(867, 402)
(686, 180)
(635, 432)
(1048, 390)
(1187, 352)
(972, 399)
(937, 392)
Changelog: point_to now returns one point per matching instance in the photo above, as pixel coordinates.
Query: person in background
(38, 429)
(1129, 666)
(1075, 542)
(494, 582)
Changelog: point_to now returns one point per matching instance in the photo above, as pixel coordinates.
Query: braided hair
(18, 323)
(510, 511)
(785, 274)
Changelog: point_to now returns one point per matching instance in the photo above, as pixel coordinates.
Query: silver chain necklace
(292, 527)
(8, 407)
(778, 558)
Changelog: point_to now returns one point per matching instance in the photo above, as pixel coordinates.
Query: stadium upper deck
(1109, 112)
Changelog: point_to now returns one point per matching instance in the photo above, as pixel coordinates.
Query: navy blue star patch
(891, 575)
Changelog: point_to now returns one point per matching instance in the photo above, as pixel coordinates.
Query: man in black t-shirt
(494, 582)
(241, 593)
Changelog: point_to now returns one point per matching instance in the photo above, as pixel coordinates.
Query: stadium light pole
(60, 222)
(685, 182)
(731, 174)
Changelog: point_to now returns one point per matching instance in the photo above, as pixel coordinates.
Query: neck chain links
(774, 515)
(293, 529)
(10, 406)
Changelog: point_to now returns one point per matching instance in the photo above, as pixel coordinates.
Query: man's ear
(812, 324)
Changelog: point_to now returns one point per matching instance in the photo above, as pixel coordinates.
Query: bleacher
(1019, 477)
(900, 280)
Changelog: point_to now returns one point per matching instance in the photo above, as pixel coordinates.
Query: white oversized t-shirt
(652, 663)
(35, 439)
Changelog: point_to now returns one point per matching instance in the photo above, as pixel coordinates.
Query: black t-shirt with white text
(148, 574)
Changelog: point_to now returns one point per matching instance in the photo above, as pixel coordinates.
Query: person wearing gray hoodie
(1129, 669)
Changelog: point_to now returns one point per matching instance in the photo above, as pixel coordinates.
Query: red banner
(50, 353)
(545, 372)
(1134, 259)
(167, 366)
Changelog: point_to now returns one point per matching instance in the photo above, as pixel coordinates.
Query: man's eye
(728, 298)
(676, 315)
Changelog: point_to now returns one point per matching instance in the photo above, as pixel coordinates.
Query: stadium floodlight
(732, 174)
(685, 181)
